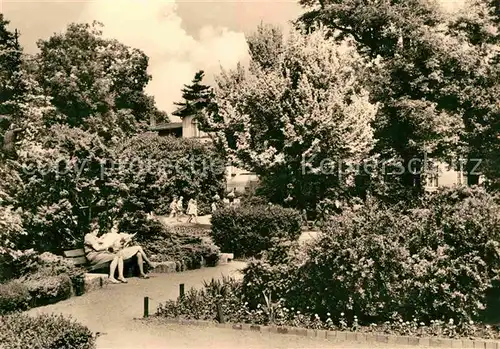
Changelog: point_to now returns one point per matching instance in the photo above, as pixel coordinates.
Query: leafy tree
(10, 63)
(477, 26)
(196, 97)
(96, 83)
(427, 78)
(266, 45)
(296, 123)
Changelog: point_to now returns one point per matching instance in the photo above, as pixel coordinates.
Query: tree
(96, 83)
(295, 124)
(477, 26)
(196, 97)
(266, 45)
(10, 65)
(424, 80)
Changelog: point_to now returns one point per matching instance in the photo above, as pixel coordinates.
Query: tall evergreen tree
(196, 97)
(10, 65)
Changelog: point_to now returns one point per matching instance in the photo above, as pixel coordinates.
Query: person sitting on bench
(120, 244)
(97, 252)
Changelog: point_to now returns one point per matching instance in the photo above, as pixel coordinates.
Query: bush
(433, 263)
(210, 253)
(14, 296)
(20, 331)
(48, 289)
(186, 244)
(247, 231)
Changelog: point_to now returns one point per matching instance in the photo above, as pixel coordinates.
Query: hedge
(154, 169)
(20, 331)
(248, 231)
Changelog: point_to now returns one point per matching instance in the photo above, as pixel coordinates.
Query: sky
(180, 37)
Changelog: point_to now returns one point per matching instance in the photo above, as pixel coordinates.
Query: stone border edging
(341, 336)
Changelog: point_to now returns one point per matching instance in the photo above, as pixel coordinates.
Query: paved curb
(340, 336)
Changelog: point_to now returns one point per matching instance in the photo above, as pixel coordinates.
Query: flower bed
(225, 298)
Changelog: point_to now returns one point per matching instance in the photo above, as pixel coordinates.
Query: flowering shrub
(247, 231)
(62, 177)
(433, 263)
(20, 331)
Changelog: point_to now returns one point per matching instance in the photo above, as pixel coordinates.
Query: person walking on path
(180, 208)
(192, 211)
(173, 207)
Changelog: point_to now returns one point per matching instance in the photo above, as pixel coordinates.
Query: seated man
(120, 244)
(97, 252)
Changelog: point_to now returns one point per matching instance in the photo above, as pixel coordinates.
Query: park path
(204, 221)
(112, 309)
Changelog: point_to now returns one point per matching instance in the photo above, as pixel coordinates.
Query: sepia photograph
(255, 174)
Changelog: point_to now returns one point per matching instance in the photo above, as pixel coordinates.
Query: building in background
(444, 176)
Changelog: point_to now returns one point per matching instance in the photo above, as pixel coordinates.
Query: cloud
(175, 56)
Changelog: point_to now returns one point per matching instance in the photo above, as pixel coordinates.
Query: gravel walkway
(112, 310)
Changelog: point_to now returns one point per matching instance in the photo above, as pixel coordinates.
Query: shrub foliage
(20, 331)
(156, 168)
(247, 231)
(437, 262)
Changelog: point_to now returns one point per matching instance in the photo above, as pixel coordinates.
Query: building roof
(169, 126)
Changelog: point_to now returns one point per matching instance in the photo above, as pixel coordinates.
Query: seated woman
(120, 244)
(96, 252)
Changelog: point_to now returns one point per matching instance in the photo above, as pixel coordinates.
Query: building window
(433, 179)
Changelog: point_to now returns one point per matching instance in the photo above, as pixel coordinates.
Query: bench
(77, 256)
